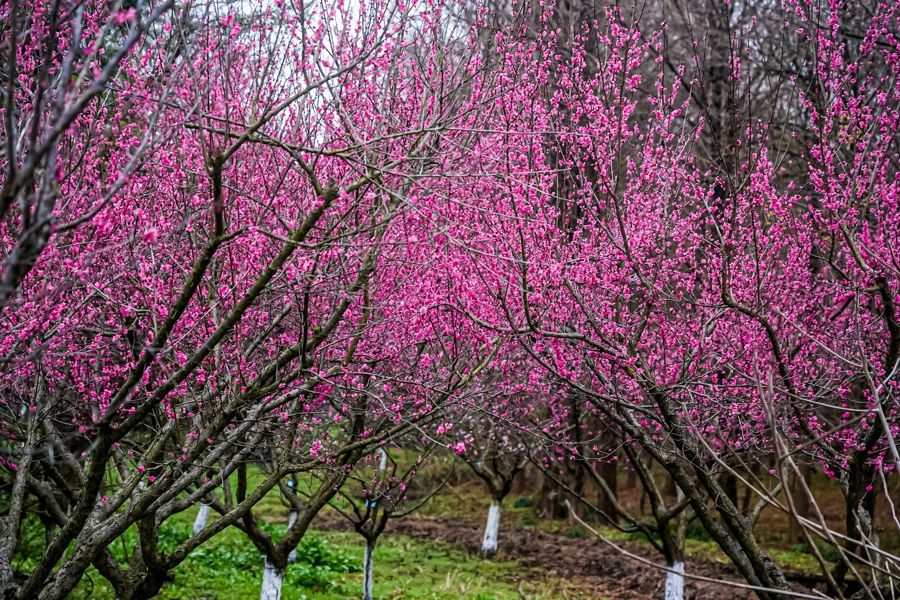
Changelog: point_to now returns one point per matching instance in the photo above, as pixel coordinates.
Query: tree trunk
(801, 505)
(8, 539)
(491, 530)
(674, 545)
(609, 471)
(670, 489)
(527, 482)
(730, 485)
(146, 588)
(368, 559)
(272, 580)
(551, 505)
(292, 518)
(675, 581)
(631, 480)
(202, 516)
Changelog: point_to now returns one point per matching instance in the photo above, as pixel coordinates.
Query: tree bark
(368, 560)
(801, 506)
(675, 581)
(730, 485)
(609, 471)
(273, 577)
(491, 530)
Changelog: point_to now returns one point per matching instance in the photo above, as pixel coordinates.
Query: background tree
(383, 490)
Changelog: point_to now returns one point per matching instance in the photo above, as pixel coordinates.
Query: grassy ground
(329, 569)
(329, 565)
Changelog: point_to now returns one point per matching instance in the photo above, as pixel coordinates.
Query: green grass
(409, 568)
(329, 566)
(229, 567)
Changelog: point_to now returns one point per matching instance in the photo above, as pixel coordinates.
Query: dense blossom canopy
(303, 232)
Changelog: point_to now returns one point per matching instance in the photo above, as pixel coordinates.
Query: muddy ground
(590, 568)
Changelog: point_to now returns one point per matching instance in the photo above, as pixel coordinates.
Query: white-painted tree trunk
(382, 464)
(271, 583)
(292, 518)
(200, 520)
(491, 531)
(675, 582)
(368, 559)
(675, 574)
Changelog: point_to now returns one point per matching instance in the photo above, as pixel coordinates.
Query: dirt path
(596, 570)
